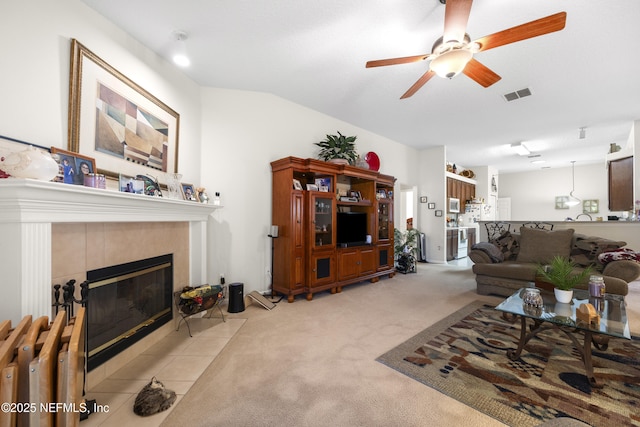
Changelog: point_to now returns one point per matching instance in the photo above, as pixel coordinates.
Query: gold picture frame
(114, 120)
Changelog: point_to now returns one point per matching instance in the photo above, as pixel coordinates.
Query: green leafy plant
(338, 147)
(561, 273)
(405, 242)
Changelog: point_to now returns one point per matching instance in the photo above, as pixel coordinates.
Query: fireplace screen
(126, 303)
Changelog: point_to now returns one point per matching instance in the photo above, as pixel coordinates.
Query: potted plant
(338, 147)
(562, 275)
(405, 245)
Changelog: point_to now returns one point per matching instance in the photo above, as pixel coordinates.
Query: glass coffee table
(553, 315)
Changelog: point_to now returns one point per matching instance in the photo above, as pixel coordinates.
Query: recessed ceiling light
(535, 162)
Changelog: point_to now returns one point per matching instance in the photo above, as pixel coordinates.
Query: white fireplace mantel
(29, 207)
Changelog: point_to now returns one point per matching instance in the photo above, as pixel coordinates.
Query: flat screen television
(351, 228)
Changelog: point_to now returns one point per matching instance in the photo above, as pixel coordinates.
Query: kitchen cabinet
(459, 189)
(621, 184)
(452, 244)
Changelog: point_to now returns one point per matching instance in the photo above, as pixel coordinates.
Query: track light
(520, 149)
(180, 50)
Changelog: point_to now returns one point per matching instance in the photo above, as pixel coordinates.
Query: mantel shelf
(32, 201)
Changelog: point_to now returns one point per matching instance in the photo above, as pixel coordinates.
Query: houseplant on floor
(562, 274)
(338, 149)
(405, 248)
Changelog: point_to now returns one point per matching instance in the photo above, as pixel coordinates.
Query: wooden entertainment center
(311, 200)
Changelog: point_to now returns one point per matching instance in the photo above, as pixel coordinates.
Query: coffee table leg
(588, 364)
(515, 354)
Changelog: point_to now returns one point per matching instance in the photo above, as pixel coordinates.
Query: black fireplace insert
(126, 302)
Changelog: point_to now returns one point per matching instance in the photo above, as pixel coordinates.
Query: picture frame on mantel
(112, 119)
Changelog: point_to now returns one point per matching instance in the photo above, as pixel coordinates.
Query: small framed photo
(72, 167)
(423, 199)
(324, 184)
(312, 187)
(431, 205)
(296, 184)
(439, 212)
(189, 192)
(129, 184)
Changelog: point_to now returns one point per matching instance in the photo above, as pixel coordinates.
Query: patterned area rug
(464, 357)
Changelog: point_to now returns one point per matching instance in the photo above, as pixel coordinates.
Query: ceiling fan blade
(539, 27)
(480, 73)
(417, 85)
(456, 17)
(394, 61)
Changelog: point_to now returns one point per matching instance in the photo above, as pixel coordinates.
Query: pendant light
(573, 200)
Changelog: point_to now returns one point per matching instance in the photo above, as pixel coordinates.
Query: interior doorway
(407, 205)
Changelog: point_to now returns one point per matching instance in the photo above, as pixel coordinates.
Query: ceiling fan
(453, 52)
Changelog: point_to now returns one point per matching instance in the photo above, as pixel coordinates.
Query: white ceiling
(314, 53)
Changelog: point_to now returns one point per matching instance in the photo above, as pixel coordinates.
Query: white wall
(433, 185)
(242, 132)
(36, 37)
(533, 193)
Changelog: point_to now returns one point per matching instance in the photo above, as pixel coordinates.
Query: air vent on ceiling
(512, 96)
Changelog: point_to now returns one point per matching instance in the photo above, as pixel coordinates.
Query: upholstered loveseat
(509, 262)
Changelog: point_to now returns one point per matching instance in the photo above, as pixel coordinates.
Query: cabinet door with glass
(322, 222)
(385, 220)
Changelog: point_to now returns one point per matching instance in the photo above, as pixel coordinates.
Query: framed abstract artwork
(115, 121)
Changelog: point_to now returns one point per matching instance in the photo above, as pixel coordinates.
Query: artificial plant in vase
(405, 245)
(338, 147)
(562, 274)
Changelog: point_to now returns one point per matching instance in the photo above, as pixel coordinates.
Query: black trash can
(236, 298)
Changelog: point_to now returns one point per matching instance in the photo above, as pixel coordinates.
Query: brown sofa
(509, 262)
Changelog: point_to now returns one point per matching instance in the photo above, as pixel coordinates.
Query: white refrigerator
(475, 212)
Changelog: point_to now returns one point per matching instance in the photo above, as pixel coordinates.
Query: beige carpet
(313, 363)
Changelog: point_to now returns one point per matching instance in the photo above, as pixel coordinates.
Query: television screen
(351, 228)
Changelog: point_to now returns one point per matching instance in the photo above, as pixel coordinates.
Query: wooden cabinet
(307, 196)
(452, 244)
(472, 238)
(355, 262)
(621, 184)
(459, 189)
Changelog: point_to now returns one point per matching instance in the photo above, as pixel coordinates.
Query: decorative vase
(532, 297)
(563, 296)
(339, 161)
(30, 163)
(173, 185)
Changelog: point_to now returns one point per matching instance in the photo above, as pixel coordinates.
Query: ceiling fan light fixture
(451, 63)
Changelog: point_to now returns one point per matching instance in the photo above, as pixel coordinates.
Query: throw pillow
(508, 245)
(619, 254)
(540, 246)
(586, 249)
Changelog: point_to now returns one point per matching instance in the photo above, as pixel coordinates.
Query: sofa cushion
(541, 246)
(508, 270)
(586, 249)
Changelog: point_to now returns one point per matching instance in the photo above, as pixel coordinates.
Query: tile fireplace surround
(34, 213)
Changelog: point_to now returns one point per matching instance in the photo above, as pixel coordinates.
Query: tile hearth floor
(177, 361)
